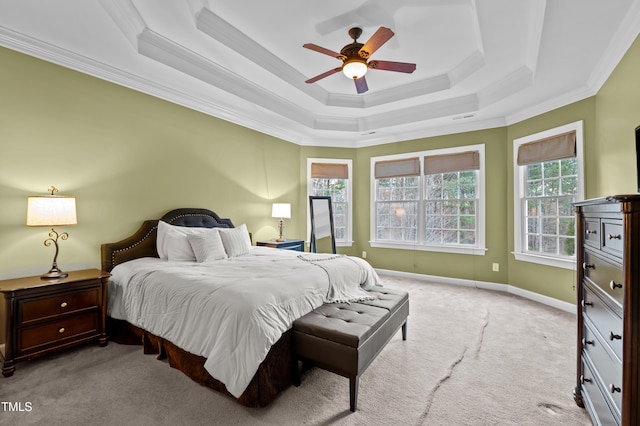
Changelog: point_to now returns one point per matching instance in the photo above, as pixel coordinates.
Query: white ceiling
(480, 63)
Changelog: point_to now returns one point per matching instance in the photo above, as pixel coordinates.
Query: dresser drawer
(36, 309)
(607, 323)
(608, 367)
(612, 237)
(596, 402)
(607, 277)
(592, 233)
(35, 337)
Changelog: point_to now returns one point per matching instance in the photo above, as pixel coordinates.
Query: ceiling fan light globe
(355, 69)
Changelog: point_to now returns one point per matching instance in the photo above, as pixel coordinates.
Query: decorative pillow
(172, 242)
(236, 240)
(207, 246)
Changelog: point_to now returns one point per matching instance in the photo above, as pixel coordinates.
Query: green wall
(470, 267)
(554, 282)
(128, 156)
(613, 162)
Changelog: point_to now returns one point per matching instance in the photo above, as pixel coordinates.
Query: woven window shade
(329, 171)
(447, 163)
(554, 148)
(397, 168)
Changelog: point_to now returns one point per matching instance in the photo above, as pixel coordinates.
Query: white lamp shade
(354, 69)
(281, 210)
(51, 210)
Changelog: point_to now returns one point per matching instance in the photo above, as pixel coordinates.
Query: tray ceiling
(480, 64)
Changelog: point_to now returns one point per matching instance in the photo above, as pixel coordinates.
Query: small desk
(297, 245)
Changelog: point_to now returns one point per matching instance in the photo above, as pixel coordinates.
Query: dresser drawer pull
(591, 231)
(614, 389)
(613, 285)
(614, 237)
(61, 330)
(613, 336)
(586, 265)
(584, 380)
(63, 305)
(586, 342)
(585, 303)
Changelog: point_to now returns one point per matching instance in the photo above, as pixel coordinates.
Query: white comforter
(232, 311)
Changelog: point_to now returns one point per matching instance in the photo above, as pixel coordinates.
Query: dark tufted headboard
(143, 242)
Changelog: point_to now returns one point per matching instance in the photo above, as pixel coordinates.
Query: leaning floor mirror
(321, 221)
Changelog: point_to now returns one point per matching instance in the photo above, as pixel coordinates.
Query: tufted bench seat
(345, 338)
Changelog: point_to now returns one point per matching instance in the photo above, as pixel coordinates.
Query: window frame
(519, 180)
(348, 241)
(480, 246)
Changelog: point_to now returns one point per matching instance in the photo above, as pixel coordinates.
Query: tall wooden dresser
(608, 288)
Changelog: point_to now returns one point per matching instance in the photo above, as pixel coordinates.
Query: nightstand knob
(614, 389)
(587, 342)
(584, 380)
(61, 330)
(63, 305)
(613, 285)
(586, 265)
(613, 336)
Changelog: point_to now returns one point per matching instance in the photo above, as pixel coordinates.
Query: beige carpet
(473, 357)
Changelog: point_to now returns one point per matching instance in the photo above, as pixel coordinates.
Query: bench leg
(404, 331)
(353, 393)
(296, 372)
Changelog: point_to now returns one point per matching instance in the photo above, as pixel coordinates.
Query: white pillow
(207, 246)
(236, 240)
(172, 242)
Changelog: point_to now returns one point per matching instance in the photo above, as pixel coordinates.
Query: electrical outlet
(364, 254)
(496, 267)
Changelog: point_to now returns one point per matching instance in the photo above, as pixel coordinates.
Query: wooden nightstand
(38, 317)
(285, 245)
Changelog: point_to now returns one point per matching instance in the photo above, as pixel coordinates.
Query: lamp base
(54, 273)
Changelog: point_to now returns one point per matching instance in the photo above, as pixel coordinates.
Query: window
(331, 177)
(548, 179)
(430, 200)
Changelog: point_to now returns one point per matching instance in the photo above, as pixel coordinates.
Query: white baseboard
(536, 297)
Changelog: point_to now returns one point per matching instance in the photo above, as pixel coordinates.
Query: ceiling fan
(354, 58)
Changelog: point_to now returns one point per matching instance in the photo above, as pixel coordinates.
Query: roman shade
(456, 162)
(329, 171)
(549, 149)
(397, 168)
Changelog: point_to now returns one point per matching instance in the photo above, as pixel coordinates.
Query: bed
(166, 330)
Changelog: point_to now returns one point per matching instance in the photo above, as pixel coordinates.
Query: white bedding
(233, 310)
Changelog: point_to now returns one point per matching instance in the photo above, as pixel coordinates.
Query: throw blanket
(230, 311)
(342, 272)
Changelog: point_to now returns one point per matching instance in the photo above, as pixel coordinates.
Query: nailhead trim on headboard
(115, 252)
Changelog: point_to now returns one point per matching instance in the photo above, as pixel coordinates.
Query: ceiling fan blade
(393, 66)
(379, 38)
(321, 49)
(361, 84)
(323, 75)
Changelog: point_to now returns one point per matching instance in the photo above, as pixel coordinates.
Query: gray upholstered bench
(345, 338)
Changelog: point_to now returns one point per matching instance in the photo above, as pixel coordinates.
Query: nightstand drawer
(34, 338)
(36, 309)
